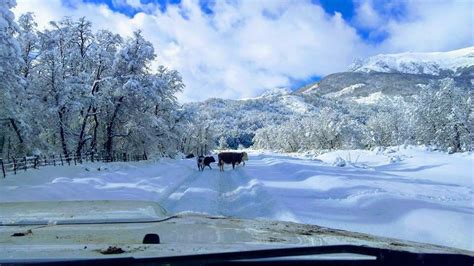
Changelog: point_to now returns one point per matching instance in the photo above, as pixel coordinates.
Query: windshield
(245, 124)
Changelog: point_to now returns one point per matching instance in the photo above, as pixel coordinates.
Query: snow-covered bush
(339, 162)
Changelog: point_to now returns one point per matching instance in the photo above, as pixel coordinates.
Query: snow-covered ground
(409, 193)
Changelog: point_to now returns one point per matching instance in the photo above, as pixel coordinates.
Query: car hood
(91, 229)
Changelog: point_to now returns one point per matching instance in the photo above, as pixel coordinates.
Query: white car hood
(84, 229)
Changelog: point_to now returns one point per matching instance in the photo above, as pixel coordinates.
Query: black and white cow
(204, 161)
(231, 158)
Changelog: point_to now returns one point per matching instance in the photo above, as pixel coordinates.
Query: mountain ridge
(432, 63)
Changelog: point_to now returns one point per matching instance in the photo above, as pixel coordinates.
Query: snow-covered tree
(391, 124)
(10, 82)
(223, 143)
(88, 92)
(444, 117)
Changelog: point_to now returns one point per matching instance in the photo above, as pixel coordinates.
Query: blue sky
(239, 48)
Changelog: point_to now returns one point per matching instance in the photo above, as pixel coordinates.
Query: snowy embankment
(409, 193)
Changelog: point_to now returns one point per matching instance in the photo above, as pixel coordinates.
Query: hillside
(356, 104)
(396, 75)
(237, 120)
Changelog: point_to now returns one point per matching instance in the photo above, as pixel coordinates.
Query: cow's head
(245, 156)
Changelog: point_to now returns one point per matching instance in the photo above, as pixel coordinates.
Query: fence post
(35, 162)
(3, 168)
(14, 165)
(61, 157)
(26, 163)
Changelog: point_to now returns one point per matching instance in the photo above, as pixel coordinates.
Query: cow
(189, 156)
(205, 161)
(231, 158)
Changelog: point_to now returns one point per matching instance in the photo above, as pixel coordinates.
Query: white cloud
(424, 26)
(246, 47)
(366, 16)
(433, 26)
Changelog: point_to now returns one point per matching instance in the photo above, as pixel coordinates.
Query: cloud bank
(237, 49)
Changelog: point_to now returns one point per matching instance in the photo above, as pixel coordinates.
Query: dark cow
(231, 158)
(205, 161)
(189, 156)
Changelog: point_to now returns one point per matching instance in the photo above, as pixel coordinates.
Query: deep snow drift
(408, 193)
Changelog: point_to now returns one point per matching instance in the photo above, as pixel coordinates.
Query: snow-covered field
(409, 193)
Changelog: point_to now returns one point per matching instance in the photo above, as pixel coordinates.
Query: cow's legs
(233, 165)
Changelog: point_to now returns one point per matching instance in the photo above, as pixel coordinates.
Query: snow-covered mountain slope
(237, 120)
(397, 75)
(418, 63)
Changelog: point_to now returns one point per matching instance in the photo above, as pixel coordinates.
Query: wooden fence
(14, 165)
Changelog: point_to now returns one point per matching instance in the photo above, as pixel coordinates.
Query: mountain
(346, 92)
(436, 64)
(396, 75)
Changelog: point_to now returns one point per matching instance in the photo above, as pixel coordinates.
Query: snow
(418, 63)
(310, 88)
(64, 212)
(297, 104)
(346, 90)
(370, 99)
(409, 193)
(269, 93)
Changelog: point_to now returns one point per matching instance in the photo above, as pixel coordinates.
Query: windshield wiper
(277, 257)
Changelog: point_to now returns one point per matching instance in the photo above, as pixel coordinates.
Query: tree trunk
(94, 134)
(80, 141)
(21, 145)
(62, 133)
(457, 139)
(2, 144)
(16, 129)
(110, 129)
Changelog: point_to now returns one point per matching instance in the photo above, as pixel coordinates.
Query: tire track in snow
(198, 194)
(241, 195)
(172, 189)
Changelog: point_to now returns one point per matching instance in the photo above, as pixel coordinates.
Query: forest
(72, 91)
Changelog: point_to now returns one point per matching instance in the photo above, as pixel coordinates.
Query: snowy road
(422, 196)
